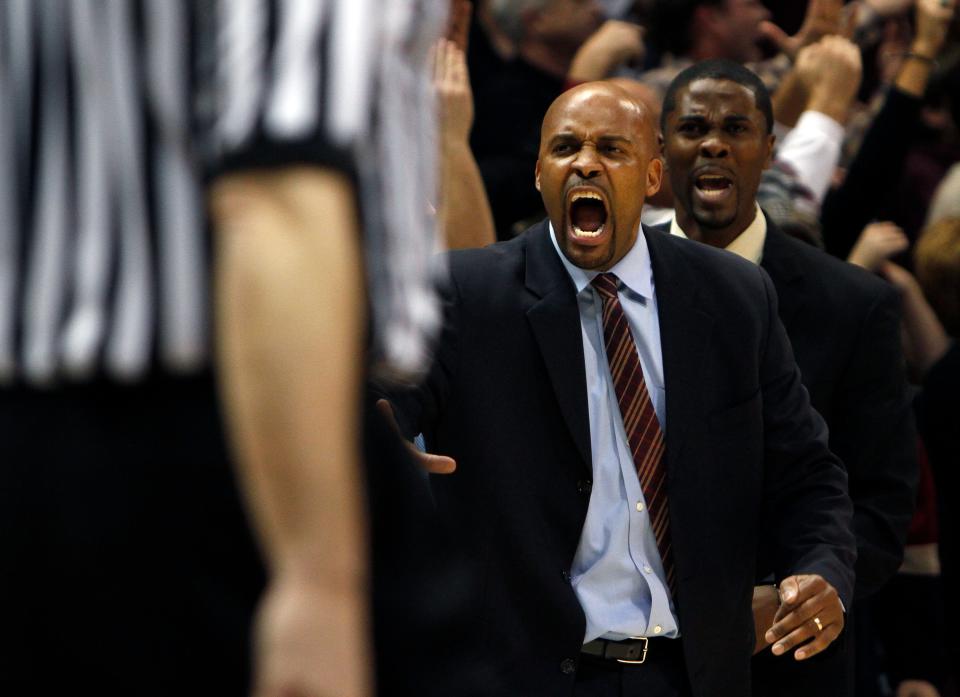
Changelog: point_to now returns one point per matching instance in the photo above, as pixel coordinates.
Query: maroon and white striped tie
(639, 418)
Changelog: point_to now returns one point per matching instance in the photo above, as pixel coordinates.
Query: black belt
(632, 651)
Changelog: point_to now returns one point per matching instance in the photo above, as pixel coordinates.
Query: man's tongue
(588, 215)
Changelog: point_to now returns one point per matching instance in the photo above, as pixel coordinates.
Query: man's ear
(662, 149)
(771, 141)
(654, 176)
(536, 176)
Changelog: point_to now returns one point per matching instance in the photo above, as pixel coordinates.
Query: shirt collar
(748, 244)
(634, 270)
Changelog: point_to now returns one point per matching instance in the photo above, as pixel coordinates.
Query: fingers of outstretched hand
(386, 411)
(433, 464)
(436, 464)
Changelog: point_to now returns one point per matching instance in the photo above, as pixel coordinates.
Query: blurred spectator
(946, 199)
(510, 103)
(873, 177)
(937, 261)
(917, 593)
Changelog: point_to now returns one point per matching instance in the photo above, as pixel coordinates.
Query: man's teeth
(587, 233)
(587, 194)
(712, 193)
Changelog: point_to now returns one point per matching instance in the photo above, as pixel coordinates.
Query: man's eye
(562, 149)
(736, 128)
(690, 128)
(612, 149)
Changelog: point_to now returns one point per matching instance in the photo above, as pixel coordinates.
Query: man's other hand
(810, 616)
(433, 464)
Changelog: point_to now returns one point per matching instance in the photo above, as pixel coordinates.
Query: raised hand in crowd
(823, 17)
(614, 44)
(933, 19)
(825, 77)
(877, 243)
(452, 84)
(465, 217)
(831, 70)
(888, 8)
(925, 340)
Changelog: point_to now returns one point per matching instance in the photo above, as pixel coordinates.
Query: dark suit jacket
(844, 325)
(746, 457)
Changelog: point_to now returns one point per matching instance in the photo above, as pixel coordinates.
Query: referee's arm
(289, 303)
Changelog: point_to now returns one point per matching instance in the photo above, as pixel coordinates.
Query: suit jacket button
(568, 666)
(584, 486)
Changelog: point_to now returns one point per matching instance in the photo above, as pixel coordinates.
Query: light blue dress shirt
(617, 572)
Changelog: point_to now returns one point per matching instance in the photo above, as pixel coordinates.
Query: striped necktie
(639, 419)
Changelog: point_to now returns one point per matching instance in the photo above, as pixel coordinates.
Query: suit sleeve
(874, 434)
(807, 511)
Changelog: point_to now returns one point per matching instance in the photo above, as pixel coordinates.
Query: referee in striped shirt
(127, 567)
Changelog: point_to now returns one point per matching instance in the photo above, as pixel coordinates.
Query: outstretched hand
(810, 616)
(430, 463)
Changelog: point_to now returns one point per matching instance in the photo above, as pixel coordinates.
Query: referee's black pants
(126, 565)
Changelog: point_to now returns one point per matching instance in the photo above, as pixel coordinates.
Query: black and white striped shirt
(112, 111)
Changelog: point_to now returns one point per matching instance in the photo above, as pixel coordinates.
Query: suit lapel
(555, 320)
(684, 339)
(788, 280)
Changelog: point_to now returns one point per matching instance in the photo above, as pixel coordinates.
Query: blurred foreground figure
(127, 567)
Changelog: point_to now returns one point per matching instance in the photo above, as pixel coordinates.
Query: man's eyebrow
(614, 137)
(700, 118)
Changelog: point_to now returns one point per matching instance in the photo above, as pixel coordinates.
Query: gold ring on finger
(816, 621)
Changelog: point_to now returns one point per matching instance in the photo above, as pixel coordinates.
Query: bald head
(616, 105)
(596, 166)
(641, 93)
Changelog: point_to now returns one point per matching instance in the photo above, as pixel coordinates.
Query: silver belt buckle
(643, 655)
